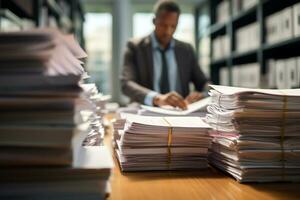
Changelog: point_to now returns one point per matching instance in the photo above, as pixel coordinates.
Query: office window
(142, 26)
(204, 39)
(98, 33)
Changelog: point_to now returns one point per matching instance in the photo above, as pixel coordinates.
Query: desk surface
(201, 184)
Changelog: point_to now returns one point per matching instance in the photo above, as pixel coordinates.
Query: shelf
(219, 62)
(265, 1)
(217, 28)
(257, 13)
(245, 57)
(283, 49)
(271, 7)
(245, 17)
(20, 9)
(237, 55)
(6, 13)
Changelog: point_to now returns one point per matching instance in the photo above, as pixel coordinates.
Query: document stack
(89, 108)
(256, 133)
(41, 129)
(163, 143)
(98, 99)
(120, 120)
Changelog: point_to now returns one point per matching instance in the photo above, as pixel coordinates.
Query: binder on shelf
(296, 19)
(221, 47)
(223, 11)
(251, 74)
(248, 4)
(224, 76)
(281, 74)
(236, 7)
(286, 24)
(235, 75)
(247, 38)
(247, 75)
(279, 26)
(292, 78)
(272, 28)
(271, 70)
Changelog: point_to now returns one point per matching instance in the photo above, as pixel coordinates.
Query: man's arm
(129, 78)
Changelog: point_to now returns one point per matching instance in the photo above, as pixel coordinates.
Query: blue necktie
(164, 78)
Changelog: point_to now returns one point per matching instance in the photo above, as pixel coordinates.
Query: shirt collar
(156, 45)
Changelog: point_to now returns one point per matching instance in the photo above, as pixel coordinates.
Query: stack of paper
(42, 120)
(118, 129)
(40, 71)
(163, 143)
(89, 107)
(256, 133)
(99, 100)
(87, 179)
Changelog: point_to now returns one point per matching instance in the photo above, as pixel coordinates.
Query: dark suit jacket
(137, 74)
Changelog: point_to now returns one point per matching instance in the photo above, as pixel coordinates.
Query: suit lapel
(149, 61)
(180, 69)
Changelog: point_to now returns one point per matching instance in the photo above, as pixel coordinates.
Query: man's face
(165, 26)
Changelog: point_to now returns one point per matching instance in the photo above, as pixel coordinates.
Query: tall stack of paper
(41, 126)
(118, 127)
(256, 133)
(89, 106)
(163, 143)
(87, 179)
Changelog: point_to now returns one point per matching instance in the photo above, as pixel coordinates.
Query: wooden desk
(201, 184)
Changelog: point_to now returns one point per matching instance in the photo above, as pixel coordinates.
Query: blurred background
(248, 43)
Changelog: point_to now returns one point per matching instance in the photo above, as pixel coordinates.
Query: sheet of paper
(238, 90)
(199, 105)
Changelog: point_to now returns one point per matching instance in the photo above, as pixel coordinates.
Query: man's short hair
(166, 5)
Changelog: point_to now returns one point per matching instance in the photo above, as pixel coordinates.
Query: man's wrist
(149, 99)
(156, 100)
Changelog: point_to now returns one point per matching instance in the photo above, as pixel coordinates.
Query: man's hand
(171, 98)
(193, 97)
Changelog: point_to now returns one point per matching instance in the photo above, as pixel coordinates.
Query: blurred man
(157, 69)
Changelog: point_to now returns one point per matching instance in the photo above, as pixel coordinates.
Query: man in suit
(157, 69)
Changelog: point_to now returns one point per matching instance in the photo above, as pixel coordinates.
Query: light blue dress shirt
(157, 65)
